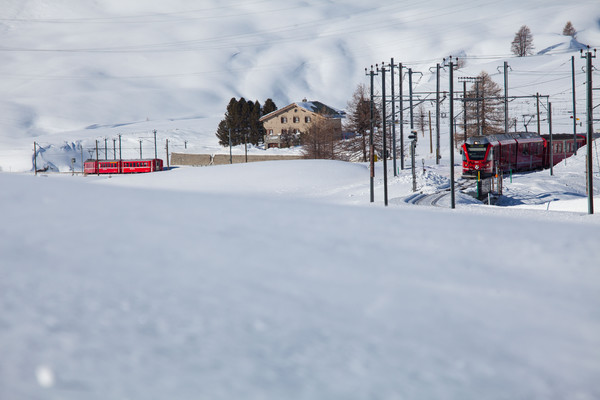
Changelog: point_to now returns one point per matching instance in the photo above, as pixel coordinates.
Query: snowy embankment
(111, 292)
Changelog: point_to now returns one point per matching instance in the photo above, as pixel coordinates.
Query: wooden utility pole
(539, 129)
(35, 158)
(97, 163)
(393, 115)
(167, 148)
(505, 97)
(574, 105)
(384, 117)
(401, 105)
(437, 114)
(430, 135)
(590, 129)
(451, 149)
(371, 148)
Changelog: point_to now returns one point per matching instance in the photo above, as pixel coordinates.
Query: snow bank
(114, 292)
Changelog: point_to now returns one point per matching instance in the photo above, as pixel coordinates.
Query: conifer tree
(269, 107)
(229, 124)
(257, 130)
(242, 122)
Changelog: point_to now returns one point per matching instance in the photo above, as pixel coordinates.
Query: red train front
(477, 157)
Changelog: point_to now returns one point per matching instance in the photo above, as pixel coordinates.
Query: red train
(122, 166)
(515, 152)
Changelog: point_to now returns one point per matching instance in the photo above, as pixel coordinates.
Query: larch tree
(358, 121)
(522, 44)
(569, 30)
(485, 115)
(321, 141)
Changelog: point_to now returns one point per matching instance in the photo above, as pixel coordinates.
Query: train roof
(501, 137)
(124, 160)
(519, 135)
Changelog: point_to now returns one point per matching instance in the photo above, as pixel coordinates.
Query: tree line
(242, 122)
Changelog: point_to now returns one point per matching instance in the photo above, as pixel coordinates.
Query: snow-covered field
(279, 280)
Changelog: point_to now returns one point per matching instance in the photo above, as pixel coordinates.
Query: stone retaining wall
(221, 159)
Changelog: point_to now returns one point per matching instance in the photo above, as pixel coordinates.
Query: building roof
(312, 106)
(319, 108)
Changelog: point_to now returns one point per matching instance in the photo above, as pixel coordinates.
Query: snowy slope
(189, 294)
(69, 65)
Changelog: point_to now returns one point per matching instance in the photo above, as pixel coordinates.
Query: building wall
(294, 120)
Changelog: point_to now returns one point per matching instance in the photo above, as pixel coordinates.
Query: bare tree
(485, 116)
(522, 44)
(358, 121)
(321, 141)
(569, 30)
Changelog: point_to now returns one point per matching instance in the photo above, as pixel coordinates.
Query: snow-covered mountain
(67, 65)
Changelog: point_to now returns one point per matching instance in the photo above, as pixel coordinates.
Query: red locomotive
(122, 166)
(515, 152)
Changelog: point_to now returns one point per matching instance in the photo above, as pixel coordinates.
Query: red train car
(515, 152)
(122, 166)
(563, 147)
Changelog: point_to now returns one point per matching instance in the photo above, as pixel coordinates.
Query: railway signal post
(413, 145)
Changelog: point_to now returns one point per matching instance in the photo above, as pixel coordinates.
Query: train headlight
(476, 166)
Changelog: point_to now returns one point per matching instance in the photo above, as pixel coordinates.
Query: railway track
(432, 199)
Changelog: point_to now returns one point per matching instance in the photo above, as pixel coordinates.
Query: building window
(307, 119)
(270, 131)
(296, 119)
(284, 120)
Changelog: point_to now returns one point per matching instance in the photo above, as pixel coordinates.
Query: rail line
(461, 185)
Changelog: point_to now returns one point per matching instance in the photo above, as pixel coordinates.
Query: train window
(476, 151)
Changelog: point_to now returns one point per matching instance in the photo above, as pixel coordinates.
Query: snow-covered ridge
(68, 64)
